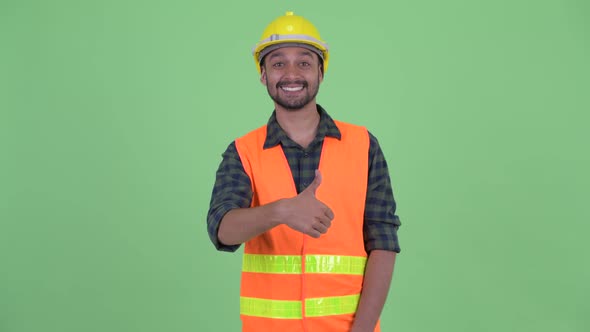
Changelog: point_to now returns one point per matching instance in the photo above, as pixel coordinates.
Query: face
(292, 77)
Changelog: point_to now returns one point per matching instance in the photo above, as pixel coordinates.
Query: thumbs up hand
(305, 213)
(313, 187)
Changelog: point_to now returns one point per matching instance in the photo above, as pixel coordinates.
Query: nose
(292, 70)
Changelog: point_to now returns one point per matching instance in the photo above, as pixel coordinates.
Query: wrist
(278, 211)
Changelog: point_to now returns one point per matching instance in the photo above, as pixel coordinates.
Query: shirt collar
(275, 134)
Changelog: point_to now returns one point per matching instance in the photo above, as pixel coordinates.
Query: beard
(293, 103)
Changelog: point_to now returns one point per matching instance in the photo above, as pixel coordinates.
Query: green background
(114, 115)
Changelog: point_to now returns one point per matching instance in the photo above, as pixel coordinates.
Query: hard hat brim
(265, 51)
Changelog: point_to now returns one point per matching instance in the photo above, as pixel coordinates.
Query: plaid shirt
(233, 188)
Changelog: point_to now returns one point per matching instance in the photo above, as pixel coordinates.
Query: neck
(300, 125)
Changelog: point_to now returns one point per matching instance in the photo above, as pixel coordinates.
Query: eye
(277, 64)
(305, 64)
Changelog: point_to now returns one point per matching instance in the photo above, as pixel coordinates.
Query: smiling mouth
(292, 88)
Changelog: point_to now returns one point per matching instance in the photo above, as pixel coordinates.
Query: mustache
(301, 82)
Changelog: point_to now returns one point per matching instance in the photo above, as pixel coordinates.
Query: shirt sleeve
(381, 223)
(232, 190)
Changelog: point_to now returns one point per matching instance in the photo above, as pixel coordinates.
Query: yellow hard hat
(290, 30)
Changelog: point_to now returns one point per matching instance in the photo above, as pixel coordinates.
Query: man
(311, 198)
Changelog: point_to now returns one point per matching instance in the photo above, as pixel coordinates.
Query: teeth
(286, 88)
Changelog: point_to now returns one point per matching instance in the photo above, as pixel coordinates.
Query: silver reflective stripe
(290, 38)
(276, 37)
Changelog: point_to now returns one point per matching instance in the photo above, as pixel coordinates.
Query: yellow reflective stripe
(313, 264)
(325, 306)
(335, 264)
(315, 307)
(251, 306)
(271, 263)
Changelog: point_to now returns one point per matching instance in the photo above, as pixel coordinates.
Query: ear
(262, 75)
(321, 68)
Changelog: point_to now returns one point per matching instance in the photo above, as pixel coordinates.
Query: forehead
(291, 51)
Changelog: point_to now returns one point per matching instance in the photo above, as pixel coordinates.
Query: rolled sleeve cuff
(382, 238)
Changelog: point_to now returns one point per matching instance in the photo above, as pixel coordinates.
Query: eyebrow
(275, 54)
(306, 53)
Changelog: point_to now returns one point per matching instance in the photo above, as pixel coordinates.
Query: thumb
(316, 182)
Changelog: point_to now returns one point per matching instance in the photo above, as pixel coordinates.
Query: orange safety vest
(292, 282)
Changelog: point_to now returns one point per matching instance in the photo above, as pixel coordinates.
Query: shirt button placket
(304, 184)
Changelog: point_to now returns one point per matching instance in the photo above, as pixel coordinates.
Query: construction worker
(311, 199)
